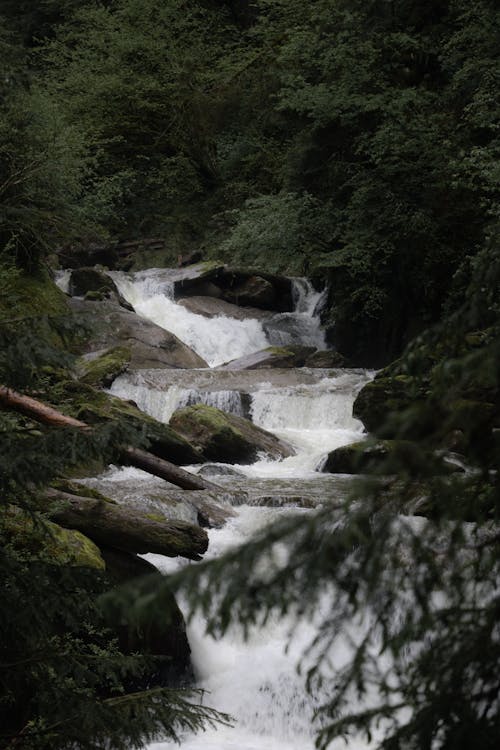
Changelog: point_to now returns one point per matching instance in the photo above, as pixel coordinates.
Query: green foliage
(406, 601)
(64, 680)
(282, 227)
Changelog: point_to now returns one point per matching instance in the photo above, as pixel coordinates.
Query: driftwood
(211, 513)
(128, 529)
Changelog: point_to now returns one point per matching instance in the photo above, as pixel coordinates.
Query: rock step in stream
(307, 412)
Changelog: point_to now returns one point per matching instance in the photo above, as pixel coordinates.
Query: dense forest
(356, 142)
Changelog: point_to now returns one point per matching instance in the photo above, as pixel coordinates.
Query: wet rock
(101, 368)
(109, 326)
(237, 286)
(48, 541)
(210, 307)
(164, 637)
(326, 359)
(95, 286)
(226, 437)
(217, 470)
(273, 356)
(387, 456)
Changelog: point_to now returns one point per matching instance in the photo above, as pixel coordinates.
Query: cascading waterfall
(256, 681)
(217, 340)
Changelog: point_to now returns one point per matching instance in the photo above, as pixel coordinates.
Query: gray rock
(273, 356)
(95, 286)
(151, 346)
(210, 307)
(226, 437)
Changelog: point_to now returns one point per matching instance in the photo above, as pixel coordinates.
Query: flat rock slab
(225, 437)
(150, 345)
(211, 307)
(273, 356)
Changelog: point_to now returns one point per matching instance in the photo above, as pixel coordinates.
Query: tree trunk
(127, 528)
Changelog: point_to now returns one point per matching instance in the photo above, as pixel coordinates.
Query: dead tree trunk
(128, 529)
(141, 459)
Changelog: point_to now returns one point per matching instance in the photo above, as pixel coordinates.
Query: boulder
(273, 356)
(108, 326)
(239, 286)
(256, 288)
(210, 307)
(164, 637)
(48, 541)
(325, 359)
(254, 292)
(101, 368)
(387, 456)
(95, 286)
(86, 403)
(381, 396)
(226, 437)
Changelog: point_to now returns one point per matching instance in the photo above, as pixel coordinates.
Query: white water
(256, 681)
(217, 340)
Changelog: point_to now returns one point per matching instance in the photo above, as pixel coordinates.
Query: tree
(413, 596)
(65, 680)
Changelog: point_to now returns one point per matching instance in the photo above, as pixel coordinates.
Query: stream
(256, 681)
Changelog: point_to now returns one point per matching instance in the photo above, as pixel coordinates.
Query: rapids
(255, 681)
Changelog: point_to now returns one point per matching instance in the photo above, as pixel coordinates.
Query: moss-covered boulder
(108, 326)
(48, 541)
(386, 456)
(325, 358)
(101, 368)
(95, 286)
(226, 437)
(93, 406)
(383, 395)
(41, 304)
(164, 637)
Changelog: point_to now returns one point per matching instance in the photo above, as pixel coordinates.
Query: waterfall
(217, 340)
(256, 681)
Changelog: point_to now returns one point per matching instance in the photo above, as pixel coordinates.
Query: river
(256, 681)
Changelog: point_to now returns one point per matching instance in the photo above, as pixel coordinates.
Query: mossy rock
(84, 402)
(41, 303)
(101, 370)
(226, 437)
(382, 396)
(386, 456)
(48, 541)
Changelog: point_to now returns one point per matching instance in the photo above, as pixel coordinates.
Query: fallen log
(141, 459)
(126, 528)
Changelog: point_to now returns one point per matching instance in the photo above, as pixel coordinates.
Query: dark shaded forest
(356, 142)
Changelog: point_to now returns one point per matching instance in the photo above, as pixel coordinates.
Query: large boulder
(108, 326)
(386, 456)
(101, 368)
(48, 541)
(243, 287)
(95, 285)
(163, 637)
(226, 437)
(382, 396)
(273, 356)
(90, 405)
(211, 307)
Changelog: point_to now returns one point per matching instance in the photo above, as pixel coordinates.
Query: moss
(48, 541)
(75, 488)
(37, 298)
(102, 370)
(280, 351)
(155, 517)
